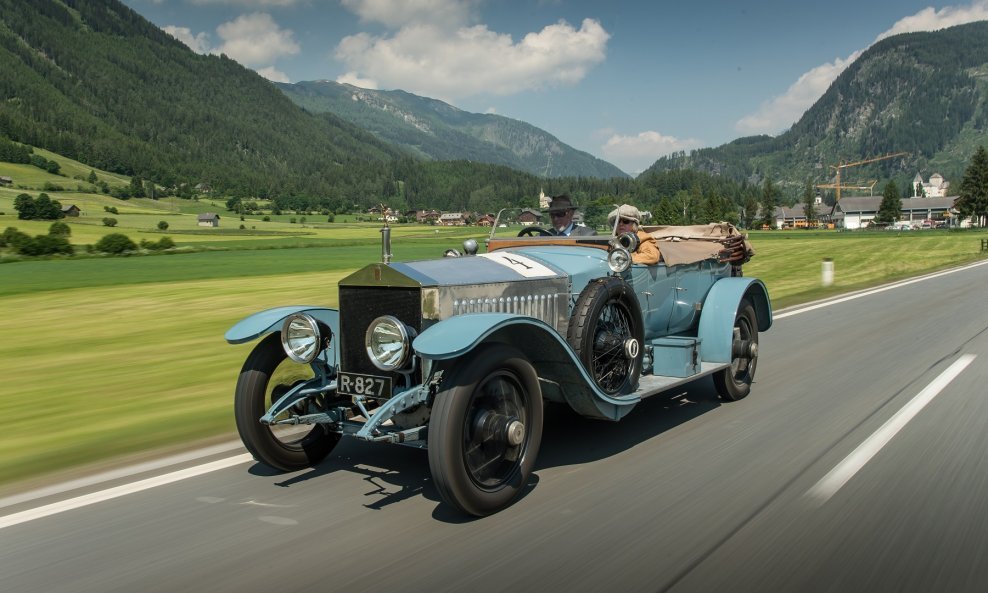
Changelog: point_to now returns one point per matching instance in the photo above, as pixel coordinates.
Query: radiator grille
(361, 305)
(540, 306)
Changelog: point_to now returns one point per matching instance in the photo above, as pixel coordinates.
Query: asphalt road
(858, 463)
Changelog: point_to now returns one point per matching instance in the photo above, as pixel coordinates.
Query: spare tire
(606, 331)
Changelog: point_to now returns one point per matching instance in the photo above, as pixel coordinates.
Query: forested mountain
(93, 80)
(922, 93)
(437, 130)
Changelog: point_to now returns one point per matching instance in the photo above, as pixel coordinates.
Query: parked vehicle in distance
(458, 354)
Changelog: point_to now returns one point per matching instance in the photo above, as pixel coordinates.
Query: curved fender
(716, 331)
(551, 355)
(265, 322)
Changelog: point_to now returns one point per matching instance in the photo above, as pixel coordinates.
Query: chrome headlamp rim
(391, 349)
(301, 338)
(618, 259)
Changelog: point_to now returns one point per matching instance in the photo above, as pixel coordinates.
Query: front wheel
(734, 382)
(268, 374)
(485, 430)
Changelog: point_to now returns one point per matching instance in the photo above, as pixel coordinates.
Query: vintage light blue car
(459, 354)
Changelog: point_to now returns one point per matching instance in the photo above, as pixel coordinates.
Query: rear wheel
(268, 374)
(485, 430)
(734, 382)
(606, 331)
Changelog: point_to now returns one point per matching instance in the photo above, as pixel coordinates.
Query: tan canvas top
(688, 244)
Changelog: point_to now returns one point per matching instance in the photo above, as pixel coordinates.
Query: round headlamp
(301, 338)
(388, 343)
(618, 260)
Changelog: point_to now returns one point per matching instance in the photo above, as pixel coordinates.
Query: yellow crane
(836, 185)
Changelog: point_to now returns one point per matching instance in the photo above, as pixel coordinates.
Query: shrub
(13, 238)
(266, 219)
(59, 229)
(115, 243)
(46, 245)
(162, 226)
(110, 209)
(159, 245)
(109, 222)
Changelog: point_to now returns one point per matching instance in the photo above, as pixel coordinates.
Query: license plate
(363, 385)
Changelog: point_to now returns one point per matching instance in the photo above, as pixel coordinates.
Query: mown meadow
(104, 358)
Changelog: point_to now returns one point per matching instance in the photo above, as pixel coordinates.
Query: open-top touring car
(458, 354)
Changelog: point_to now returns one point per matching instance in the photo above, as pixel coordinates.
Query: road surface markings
(865, 293)
(846, 469)
(95, 497)
(102, 495)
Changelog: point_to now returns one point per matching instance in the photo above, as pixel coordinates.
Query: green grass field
(103, 358)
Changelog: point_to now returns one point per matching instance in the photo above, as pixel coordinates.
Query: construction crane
(836, 185)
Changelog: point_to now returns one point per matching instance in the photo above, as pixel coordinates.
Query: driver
(628, 217)
(561, 210)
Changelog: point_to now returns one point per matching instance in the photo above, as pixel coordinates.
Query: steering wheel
(534, 230)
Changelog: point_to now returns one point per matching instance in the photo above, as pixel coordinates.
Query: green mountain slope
(436, 130)
(94, 81)
(923, 93)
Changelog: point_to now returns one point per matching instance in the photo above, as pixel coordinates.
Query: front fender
(270, 320)
(560, 371)
(716, 330)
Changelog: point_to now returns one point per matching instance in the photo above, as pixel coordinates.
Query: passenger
(628, 217)
(561, 210)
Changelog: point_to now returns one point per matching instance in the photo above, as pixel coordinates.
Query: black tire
(734, 382)
(606, 316)
(474, 466)
(267, 374)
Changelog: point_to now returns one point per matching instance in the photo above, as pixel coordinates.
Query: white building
(936, 187)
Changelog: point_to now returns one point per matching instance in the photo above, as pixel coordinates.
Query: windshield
(530, 222)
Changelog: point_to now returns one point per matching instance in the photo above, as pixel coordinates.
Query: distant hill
(436, 130)
(923, 93)
(96, 82)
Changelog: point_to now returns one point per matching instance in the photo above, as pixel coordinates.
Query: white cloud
(351, 78)
(255, 40)
(634, 154)
(273, 74)
(429, 60)
(782, 111)
(929, 19)
(396, 14)
(198, 43)
(248, 3)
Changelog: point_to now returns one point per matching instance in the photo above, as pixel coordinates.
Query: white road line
(116, 474)
(88, 499)
(865, 293)
(846, 469)
(102, 495)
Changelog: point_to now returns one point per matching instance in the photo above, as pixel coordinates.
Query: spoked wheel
(734, 382)
(268, 374)
(606, 330)
(485, 430)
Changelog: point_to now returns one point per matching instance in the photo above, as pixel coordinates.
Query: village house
(425, 216)
(70, 210)
(4, 180)
(452, 219)
(486, 220)
(529, 217)
(210, 219)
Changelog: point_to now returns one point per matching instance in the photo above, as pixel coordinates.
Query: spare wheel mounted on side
(607, 332)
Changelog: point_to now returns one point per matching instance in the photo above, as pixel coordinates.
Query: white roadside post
(827, 272)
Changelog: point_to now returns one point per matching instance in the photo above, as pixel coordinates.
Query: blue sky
(627, 81)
